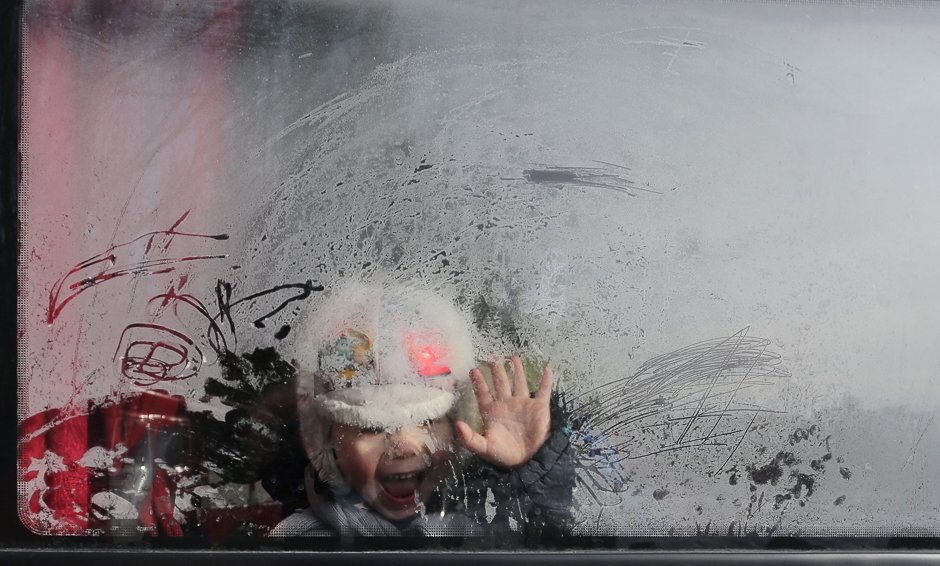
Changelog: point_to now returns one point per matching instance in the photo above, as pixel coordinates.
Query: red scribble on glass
(118, 261)
(156, 354)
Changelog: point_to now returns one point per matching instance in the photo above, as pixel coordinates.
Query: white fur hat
(380, 356)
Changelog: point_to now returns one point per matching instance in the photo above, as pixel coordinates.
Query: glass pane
(264, 244)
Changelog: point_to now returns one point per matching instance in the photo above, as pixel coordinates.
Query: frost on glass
(713, 222)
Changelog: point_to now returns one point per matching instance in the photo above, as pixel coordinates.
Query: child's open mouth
(399, 489)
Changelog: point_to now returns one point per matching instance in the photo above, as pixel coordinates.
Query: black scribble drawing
(221, 331)
(155, 353)
(282, 294)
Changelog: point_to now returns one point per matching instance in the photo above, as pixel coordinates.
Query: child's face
(394, 470)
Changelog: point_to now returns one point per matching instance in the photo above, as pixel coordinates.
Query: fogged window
(277, 259)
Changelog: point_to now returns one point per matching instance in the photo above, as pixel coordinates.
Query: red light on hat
(427, 355)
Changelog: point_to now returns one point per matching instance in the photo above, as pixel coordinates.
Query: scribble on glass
(155, 353)
(223, 293)
(687, 397)
(610, 176)
(221, 326)
(121, 260)
(199, 175)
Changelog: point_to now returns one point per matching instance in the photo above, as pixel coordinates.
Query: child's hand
(516, 424)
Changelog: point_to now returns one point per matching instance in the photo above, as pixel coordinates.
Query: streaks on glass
(612, 177)
(694, 408)
(920, 437)
(679, 45)
(681, 400)
(124, 259)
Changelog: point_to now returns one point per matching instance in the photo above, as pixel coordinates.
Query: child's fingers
(500, 381)
(472, 440)
(480, 387)
(520, 386)
(545, 385)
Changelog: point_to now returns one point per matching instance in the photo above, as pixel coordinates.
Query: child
(396, 440)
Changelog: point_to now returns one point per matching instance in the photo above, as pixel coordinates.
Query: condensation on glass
(714, 222)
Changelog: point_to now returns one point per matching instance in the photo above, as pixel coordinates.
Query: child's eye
(371, 430)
